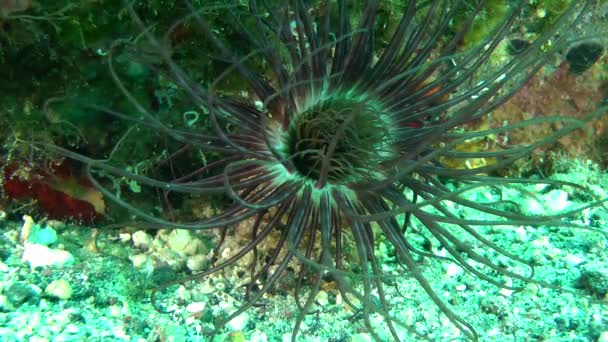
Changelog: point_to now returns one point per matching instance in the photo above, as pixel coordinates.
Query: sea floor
(63, 282)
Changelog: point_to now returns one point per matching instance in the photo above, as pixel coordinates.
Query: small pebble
(141, 240)
(197, 262)
(322, 298)
(4, 305)
(72, 329)
(114, 311)
(594, 279)
(453, 270)
(38, 339)
(139, 260)
(239, 322)
(59, 288)
(236, 336)
(124, 237)
(42, 235)
(362, 337)
(38, 255)
(573, 260)
(195, 307)
(21, 292)
(258, 336)
(556, 201)
(179, 239)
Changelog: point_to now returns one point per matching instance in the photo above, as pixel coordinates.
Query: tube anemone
(337, 140)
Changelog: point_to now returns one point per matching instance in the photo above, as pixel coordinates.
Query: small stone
(44, 236)
(206, 288)
(541, 13)
(38, 255)
(21, 292)
(197, 262)
(183, 294)
(119, 333)
(557, 201)
(453, 270)
(4, 304)
(322, 298)
(239, 322)
(114, 311)
(542, 242)
(141, 240)
(194, 247)
(139, 260)
(59, 288)
(72, 328)
(362, 337)
(236, 336)
(179, 239)
(594, 279)
(531, 289)
(339, 299)
(507, 292)
(573, 260)
(190, 320)
(220, 286)
(195, 307)
(521, 234)
(26, 228)
(258, 336)
(38, 339)
(124, 237)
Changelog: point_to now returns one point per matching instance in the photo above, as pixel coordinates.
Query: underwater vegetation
(58, 193)
(325, 131)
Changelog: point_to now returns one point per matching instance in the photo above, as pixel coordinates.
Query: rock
(236, 336)
(197, 262)
(362, 337)
(139, 261)
(44, 236)
(594, 279)
(178, 240)
(195, 307)
(556, 201)
(141, 240)
(239, 322)
(59, 288)
(322, 298)
(38, 255)
(258, 336)
(21, 292)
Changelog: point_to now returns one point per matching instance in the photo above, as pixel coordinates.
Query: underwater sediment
(332, 170)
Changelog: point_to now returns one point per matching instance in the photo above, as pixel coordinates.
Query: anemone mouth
(336, 139)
